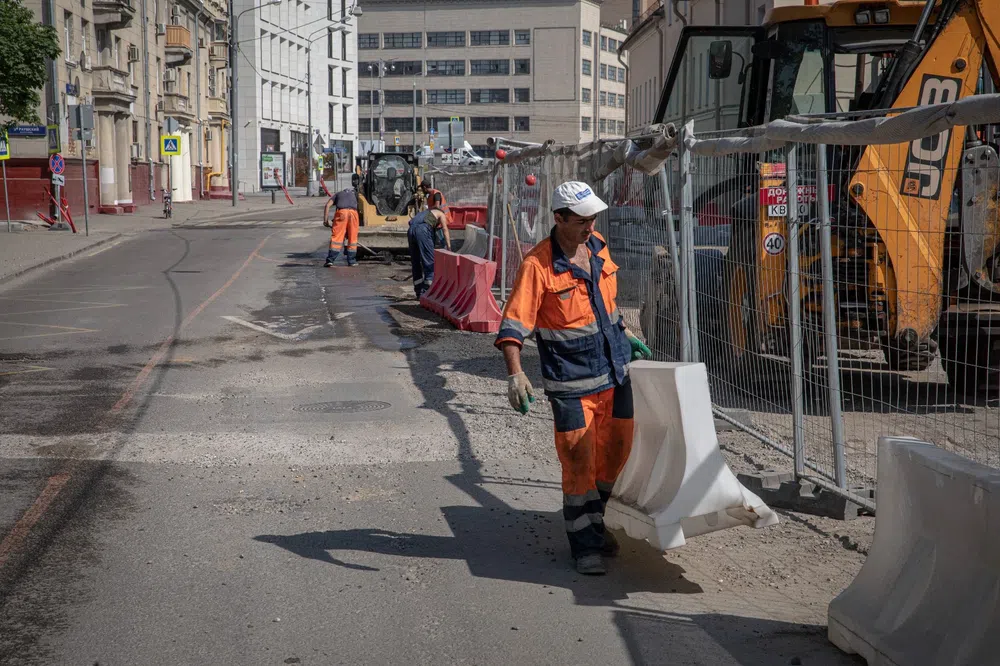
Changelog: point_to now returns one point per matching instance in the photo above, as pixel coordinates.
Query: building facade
(297, 82)
(137, 62)
(527, 71)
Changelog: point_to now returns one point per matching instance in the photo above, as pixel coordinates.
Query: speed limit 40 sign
(774, 243)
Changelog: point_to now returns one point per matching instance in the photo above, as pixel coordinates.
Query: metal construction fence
(868, 304)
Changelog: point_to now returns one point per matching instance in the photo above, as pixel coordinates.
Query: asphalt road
(215, 451)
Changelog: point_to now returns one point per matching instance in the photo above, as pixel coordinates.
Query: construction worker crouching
(565, 293)
(344, 225)
(424, 227)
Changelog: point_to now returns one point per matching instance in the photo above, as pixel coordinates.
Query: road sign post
(4, 156)
(170, 146)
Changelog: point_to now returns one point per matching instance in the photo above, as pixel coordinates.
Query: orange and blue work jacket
(579, 331)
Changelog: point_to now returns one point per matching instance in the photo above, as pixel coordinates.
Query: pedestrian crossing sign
(170, 145)
(4, 147)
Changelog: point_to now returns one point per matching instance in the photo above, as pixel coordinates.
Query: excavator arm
(906, 190)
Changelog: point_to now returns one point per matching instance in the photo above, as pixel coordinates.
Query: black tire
(905, 360)
(972, 364)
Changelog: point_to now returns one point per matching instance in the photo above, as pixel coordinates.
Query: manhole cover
(344, 406)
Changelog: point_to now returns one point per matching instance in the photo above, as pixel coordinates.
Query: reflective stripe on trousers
(593, 439)
(345, 226)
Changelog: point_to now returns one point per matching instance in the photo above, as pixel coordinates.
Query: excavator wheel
(972, 363)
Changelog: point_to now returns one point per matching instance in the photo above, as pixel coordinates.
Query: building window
(331, 75)
(602, 98)
(490, 124)
(402, 97)
(522, 37)
(587, 71)
(522, 124)
(604, 43)
(522, 95)
(343, 81)
(621, 101)
(368, 97)
(446, 96)
(612, 45)
(604, 71)
(445, 68)
(602, 126)
(489, 67)
(398, 68)
(364, 125)
(403, 40)
(522, 65)
(436, 124)
(366, 40)
(585, 123)
(621, 75)
(446, 39)
(585, 95)
(403, 124)
(621, 127)
(345, 116)
(332, 115)
(587, 38)
(489, 96)
(489, 38)
(68, 29)
(85, 37)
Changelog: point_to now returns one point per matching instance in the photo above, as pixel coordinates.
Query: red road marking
(19, 533)
(16, 537)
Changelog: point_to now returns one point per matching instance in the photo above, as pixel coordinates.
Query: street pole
(414, 115)
(310, 185)
(86, 195)
(381, 103)
(234, 169)
(6, 199)
(371, 105)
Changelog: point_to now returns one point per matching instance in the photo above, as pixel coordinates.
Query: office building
(527, 71)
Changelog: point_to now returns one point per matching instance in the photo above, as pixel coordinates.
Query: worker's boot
(591, 565)
(611, 547)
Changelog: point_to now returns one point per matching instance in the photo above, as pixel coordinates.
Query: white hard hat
(579, 198)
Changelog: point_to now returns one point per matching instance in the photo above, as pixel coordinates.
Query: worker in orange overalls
(436, 201)
(344, 205)
(565, 293)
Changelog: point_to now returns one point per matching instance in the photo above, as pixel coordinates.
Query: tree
(25, 46)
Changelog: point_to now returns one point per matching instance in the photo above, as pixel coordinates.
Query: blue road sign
(170, 145)
(57, 164)
(27, 130)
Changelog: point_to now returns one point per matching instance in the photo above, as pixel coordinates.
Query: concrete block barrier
(929, 592)
(476, 241)
(676, 484)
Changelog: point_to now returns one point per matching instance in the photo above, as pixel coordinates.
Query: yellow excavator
(387, 185)
(916, 230)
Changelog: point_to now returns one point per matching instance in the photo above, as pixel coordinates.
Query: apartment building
(527, 71)
(135, 78)
(297, 82)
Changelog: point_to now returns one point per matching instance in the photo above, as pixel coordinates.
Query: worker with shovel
(344, 227)
(565, 293)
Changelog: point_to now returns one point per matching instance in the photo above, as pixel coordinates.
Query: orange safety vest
(580, 333)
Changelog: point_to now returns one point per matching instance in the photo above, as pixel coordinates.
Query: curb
(48, 262)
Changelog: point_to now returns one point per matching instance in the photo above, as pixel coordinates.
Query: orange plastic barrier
(463, 215)
(462, 292)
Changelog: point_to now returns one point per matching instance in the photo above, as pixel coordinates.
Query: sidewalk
(36, 246)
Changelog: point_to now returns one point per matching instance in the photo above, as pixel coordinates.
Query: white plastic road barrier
(476, 241)
(929, 592)
(676, 484)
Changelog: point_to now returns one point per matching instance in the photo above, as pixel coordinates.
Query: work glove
(520, 393)
(640, 352)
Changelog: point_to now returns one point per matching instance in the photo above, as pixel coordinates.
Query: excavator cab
(387, 189)
(845, 61)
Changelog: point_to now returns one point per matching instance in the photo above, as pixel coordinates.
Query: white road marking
(294, 337)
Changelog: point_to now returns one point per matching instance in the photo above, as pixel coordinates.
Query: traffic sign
(57, 164)
(171, 124)
(58, 179)
(170, 145)
(4, 147)
(395, 140)
(52, 132)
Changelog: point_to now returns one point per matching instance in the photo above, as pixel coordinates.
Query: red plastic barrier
(445, 282)
(476, 309)
(463, 215)
(461, 292)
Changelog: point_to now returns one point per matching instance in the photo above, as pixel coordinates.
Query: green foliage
(25, 45)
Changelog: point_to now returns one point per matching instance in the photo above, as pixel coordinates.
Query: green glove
(639, 349)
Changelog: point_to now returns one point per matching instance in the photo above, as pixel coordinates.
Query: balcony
(218, 107)
(112, 90)
(113, 14)
(218, 53)
(178, 46)
(178, 106)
